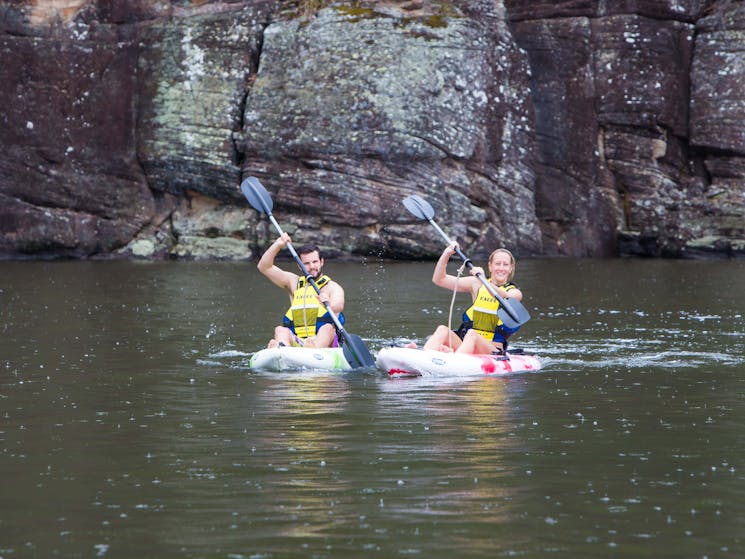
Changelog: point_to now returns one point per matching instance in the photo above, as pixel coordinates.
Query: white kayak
(403, 361)
(300, 359)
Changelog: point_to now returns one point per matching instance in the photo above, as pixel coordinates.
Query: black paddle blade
(257, 195)
(512, 313)
(356, 352)
(419, 207)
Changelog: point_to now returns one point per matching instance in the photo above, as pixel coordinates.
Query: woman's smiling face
(501, 266)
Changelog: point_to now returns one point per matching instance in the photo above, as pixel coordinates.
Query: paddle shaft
(469, 264)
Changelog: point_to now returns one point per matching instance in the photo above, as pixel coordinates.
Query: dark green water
(131, 426)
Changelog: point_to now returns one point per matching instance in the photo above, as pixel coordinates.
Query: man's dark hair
(307, 249)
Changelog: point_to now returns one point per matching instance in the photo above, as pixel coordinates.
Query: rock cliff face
(571, 128)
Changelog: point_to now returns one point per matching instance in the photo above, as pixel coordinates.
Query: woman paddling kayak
(482, 331)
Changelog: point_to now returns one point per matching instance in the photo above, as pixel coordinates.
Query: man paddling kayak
(306, 323)
(482, 331)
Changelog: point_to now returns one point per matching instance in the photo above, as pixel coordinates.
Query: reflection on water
(131, 425)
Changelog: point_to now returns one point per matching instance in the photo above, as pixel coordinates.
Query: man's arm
(278, 276)
(333, 293)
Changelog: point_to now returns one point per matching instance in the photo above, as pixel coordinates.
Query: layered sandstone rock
(355, 109)
(578, 128)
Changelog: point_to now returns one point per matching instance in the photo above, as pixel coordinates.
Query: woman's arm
(441, 278)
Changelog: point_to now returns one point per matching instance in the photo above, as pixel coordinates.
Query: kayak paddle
(511, 311)
(354, 348)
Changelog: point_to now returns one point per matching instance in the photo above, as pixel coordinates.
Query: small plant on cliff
(309, 8)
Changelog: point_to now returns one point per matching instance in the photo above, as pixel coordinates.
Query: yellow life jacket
(306, 313)
(483, 313)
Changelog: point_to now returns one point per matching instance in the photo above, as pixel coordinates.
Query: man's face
(313, 263)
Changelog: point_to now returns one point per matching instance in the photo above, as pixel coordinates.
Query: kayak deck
(283, 359)
(402, 361)
(395, 361)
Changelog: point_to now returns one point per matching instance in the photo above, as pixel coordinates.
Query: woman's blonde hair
(512, 260)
